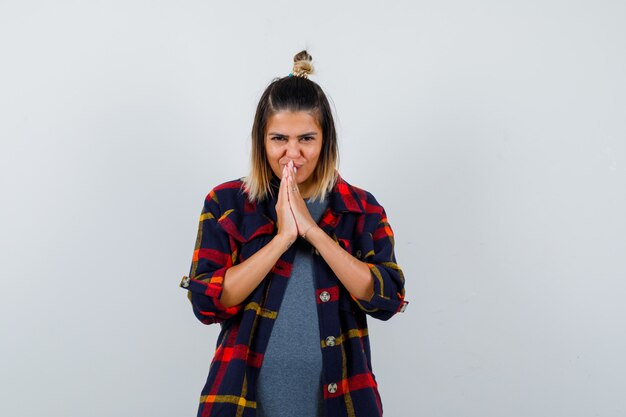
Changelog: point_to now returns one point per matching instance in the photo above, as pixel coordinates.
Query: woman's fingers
(301, 213)
(296, 189)
(288, 177)
(285, 186)
(283, 183)
(286, 221)
(293, 185)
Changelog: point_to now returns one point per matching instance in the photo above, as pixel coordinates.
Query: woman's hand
(287, 227)
(300, 211)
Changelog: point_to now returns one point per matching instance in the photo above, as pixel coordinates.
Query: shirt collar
(345, 198)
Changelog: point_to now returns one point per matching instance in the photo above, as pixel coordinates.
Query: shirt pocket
(250, 231)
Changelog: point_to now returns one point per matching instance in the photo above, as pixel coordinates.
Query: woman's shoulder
(351, 193)
(243, 220)
(227, 195)
(229, 186)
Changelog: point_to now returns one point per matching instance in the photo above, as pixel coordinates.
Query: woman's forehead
(292, 123)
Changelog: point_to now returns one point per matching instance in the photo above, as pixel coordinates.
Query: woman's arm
(354, 274)
(241, 279)
(377, 283)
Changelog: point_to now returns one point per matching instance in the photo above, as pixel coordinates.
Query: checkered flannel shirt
(231, 229)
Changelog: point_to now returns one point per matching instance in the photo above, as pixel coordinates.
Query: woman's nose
(293, 149)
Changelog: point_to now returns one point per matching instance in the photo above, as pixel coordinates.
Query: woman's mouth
(296, 166)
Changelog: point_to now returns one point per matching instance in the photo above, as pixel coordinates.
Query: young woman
(290, 260)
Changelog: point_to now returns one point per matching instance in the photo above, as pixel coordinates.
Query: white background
(493, 133)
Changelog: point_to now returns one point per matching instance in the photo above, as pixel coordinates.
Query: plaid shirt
(231, 229)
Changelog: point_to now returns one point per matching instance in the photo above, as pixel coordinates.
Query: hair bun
(302, 65)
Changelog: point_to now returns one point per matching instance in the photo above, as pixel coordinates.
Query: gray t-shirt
(289, 382)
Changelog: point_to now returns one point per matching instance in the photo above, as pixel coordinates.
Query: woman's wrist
(309, 234)
(283, 241)
(307, 231)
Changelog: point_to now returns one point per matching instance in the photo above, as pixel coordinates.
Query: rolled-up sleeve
(388, 298)
(215, 251)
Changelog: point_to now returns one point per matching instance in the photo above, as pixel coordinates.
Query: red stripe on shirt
(333, 291)
(351, 384)
(212, 255)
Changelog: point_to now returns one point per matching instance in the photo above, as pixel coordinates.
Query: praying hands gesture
(295, 220)
(293, 215)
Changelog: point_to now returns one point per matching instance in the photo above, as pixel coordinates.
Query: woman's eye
(307, 138)
(278, 138)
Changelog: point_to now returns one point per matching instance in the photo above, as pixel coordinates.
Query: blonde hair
(294, 92)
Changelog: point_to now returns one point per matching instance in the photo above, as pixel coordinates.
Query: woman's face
(294, 136)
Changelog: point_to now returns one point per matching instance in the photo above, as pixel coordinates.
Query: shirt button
(324, 296)
(185, 282)
(330, 341)
(358, 253)
(332, 388)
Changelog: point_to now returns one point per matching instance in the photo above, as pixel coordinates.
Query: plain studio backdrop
(493, 133)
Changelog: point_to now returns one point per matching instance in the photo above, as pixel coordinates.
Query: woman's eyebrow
(300, 136)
